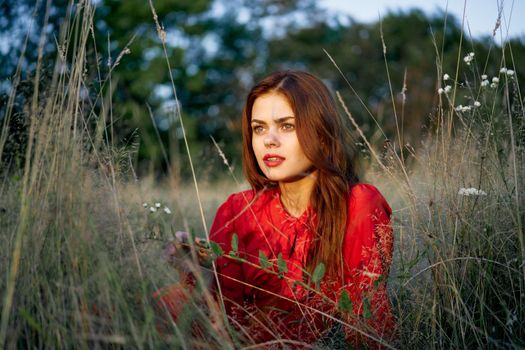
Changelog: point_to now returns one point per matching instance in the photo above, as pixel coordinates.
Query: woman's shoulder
(228, 212)
(250, 197)
(233, 212)
(237, 196)
(363, 195)
(364, 191)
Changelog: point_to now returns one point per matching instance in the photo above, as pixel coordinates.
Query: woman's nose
(271, 140)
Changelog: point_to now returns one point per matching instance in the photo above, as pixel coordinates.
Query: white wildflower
(494, 85)
(510, 72)
(477, 104)
(495, 80)
(485, 82)
(484, 77)
(440, 91)
(463, 109)
(448, 88)
(145, 205)
(471, 192)
(157, 205)
(167, 210)
(469, 58)
(152, 209)
(503, 70)
(446, 77)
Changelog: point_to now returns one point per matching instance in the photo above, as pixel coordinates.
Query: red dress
(269, 305)
(272, 306)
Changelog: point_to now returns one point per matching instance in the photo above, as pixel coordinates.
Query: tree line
(217, 49)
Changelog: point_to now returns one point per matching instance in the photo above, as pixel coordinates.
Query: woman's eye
(288, 126)
(257, 129)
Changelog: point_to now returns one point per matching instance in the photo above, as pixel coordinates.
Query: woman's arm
(172, 299)
(229, 271)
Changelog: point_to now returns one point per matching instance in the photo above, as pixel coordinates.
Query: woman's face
(274, 140)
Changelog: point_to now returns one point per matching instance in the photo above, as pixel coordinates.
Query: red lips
(273, 160)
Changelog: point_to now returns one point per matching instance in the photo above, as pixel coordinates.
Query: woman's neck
(295, 195)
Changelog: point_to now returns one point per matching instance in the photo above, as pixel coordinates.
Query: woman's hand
(181, 247)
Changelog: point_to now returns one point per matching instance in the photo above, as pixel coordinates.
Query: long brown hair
(316, 120)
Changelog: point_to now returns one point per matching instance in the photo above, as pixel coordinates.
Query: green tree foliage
(214, 48)
(217, 49)
(20, 28)
(414, 43)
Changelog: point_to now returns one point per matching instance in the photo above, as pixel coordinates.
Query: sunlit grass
(82, 256)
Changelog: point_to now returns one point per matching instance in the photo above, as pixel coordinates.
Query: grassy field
(80, 253)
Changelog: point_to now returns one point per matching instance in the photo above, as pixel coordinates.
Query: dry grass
(82, 255)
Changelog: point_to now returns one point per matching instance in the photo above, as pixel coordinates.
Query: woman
(305, 211)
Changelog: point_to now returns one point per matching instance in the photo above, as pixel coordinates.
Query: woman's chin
(285, 178)
(274, 178)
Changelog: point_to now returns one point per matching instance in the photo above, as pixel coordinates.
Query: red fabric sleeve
(367, 253)
(228, 270)
(169, 301)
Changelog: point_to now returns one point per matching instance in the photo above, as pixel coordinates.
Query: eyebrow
(278, 120)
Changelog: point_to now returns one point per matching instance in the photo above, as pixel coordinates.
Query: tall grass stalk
(25, 201)
(82, 255)
(459, 280)
(72, 240)
(218, 315)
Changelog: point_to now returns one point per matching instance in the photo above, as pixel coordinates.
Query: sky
(480, 15)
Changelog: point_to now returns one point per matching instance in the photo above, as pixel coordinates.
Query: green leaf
(281, 264)
(318, 273)
(367, 313)
(263, 260)
(235, 244)
(30, 320)
(378, 281)
(344, 303)
(216, 249)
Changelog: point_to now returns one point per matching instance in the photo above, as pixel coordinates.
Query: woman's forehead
(271, 107)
